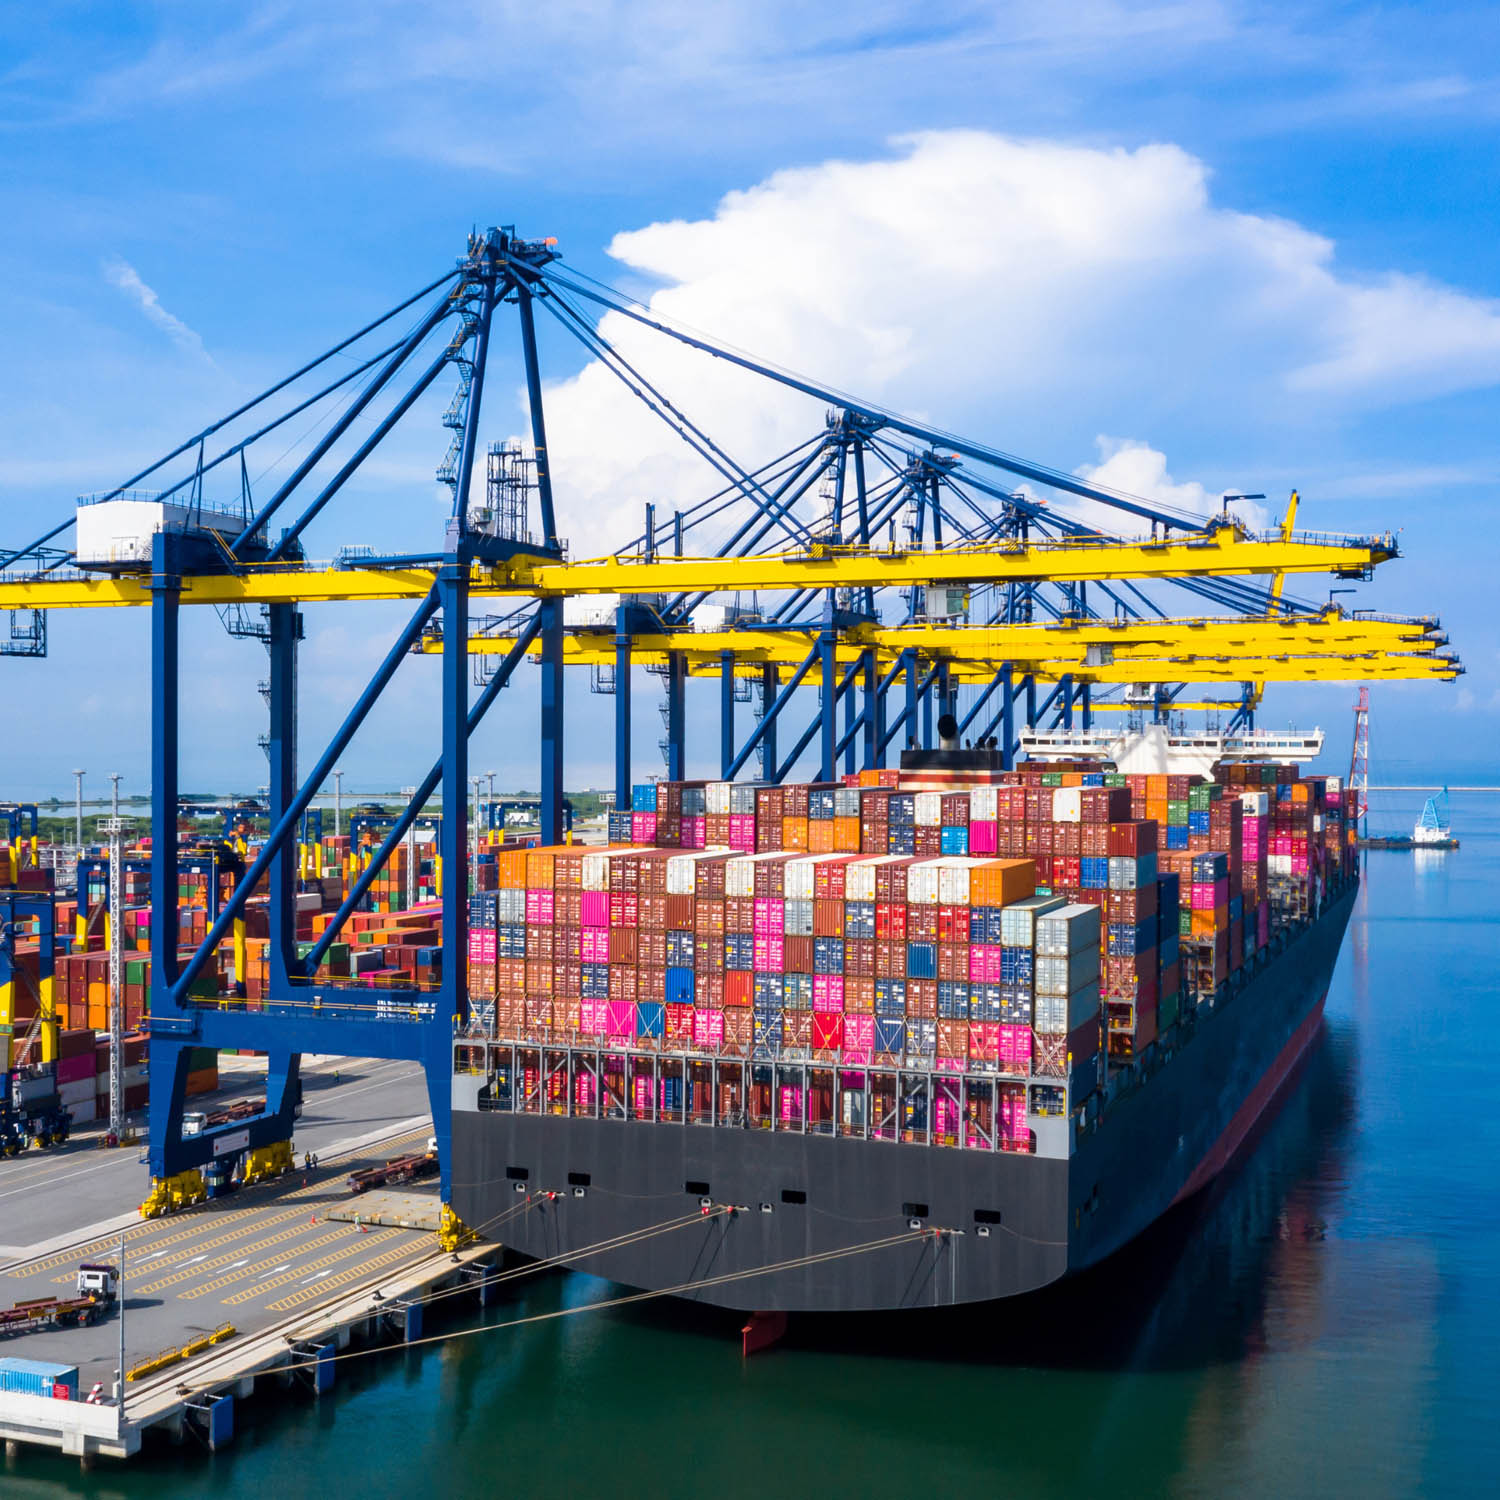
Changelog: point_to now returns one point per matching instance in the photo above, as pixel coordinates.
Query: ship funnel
(947, 728)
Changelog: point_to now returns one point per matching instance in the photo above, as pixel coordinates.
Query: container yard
(973, 960)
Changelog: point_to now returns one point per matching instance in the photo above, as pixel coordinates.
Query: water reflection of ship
(1191, 1291)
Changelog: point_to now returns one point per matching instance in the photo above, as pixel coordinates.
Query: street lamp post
(338, 803)
(78, 809)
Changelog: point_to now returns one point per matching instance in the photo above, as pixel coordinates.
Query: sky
(1178, 248)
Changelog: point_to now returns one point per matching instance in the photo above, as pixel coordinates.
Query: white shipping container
(510, 905)
(953, 878)
(797, 918)
(739, 875)
(716, 798)
(859, 876)
(1278, 864)
(1056, 1015)
(85, 1112)
(928, 809)
(1067, 804)
(1068, 930)
(798, 880)
(1063, 975)
(922, 884)
(984, 804)
(1018, 920)
(79, 1090)
(1255, 804)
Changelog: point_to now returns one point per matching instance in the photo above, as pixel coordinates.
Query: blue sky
(1188, 247)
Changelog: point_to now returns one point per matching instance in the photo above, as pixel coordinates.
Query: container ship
(938, 1035)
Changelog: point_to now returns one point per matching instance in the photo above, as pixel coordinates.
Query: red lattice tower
(1359, 761)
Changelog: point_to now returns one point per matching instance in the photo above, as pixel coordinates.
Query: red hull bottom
(1271, 1083)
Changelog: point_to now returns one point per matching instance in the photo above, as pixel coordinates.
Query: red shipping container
(827, 1030)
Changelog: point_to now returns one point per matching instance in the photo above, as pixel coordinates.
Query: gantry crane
(885, 560)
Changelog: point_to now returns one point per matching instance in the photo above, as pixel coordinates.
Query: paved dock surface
(46, 1194)
(250, 1259)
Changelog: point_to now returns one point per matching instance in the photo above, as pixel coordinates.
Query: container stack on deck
(1012, 925)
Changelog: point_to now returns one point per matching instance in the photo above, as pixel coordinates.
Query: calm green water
(1326, 1322)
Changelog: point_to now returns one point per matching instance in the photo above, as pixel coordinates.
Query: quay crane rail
(882, 558)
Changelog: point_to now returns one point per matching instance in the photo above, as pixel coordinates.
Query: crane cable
(681, 1289)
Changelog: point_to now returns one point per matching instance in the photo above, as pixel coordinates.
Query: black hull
(1157, 1143)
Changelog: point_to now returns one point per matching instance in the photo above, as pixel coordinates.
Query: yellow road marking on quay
(306, 1269)
(268, 1263)
(200, 1222)
(250, 1247)
(343, 1278)
(245, 1227)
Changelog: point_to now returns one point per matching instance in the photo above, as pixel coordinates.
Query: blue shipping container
(859, 919)
(921, 960)
(38, 1377)
(954, 840)
(890, 1034)
(643, 797)
(679, 986)
(650, 1018)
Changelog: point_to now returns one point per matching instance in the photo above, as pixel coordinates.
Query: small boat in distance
(1432, 829)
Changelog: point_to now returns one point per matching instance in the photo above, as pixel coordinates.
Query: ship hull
(833, 1217)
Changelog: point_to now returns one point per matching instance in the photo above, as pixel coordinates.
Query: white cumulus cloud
(1027, 293)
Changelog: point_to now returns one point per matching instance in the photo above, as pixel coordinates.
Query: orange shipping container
(999, 882)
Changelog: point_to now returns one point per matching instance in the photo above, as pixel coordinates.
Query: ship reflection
(1193, 1291)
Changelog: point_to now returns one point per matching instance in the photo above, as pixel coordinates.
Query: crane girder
(1221, 551)
(1199, 651)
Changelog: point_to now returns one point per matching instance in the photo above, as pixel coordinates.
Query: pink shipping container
(984, 838)
(642, 828)
(791, 1104)
(859, 1038)
(770, 917)
(592, 1016)
(71, 1069)
(481, 945)
(695, 833)
(619, 1019)
(595, 945)
(539, 908)
(642, 1096)
(742, 832)
(769, 954)
(708, 1028)
(584, 1092)
(594, 909)
(945, 1116)
(984, 963)
(1015, 1049)
(828, 992)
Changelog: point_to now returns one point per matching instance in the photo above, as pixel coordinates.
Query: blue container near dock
(39, 1377)
(650, 1018)
(679, 986)
(954, 840)
(921, 960)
